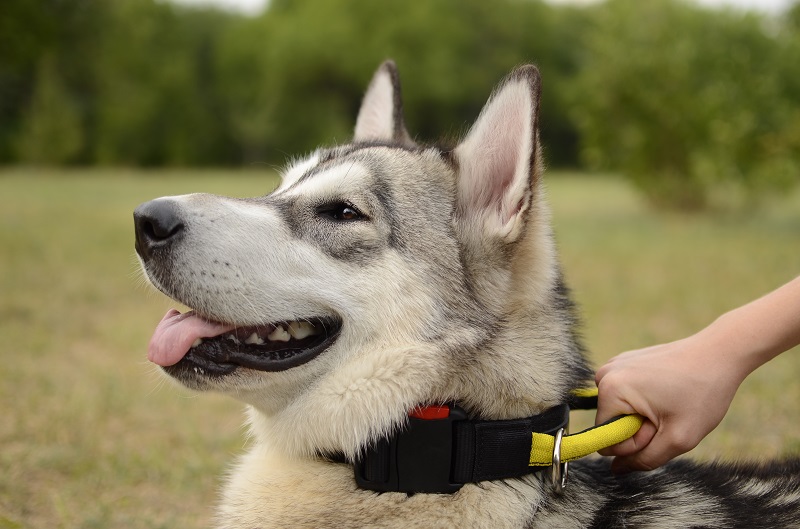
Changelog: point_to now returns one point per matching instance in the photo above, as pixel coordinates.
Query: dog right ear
(498, 160)
(381, 115)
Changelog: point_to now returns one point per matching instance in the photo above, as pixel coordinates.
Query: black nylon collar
(441, 455)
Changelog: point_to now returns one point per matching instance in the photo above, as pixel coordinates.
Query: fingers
(611, 403)
(614, 363)
(635, 444)
(603, 370)
(658, 451)
(651, 457)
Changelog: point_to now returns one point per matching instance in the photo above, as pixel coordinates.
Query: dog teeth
(301, 329)
(254, 339)
(279, 335)
(297, 330)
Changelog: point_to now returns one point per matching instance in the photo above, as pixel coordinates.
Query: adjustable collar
(440, 449)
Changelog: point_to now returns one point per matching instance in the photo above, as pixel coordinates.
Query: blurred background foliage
(698, 107)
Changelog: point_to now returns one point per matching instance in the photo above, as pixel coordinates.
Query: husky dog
(383, 275)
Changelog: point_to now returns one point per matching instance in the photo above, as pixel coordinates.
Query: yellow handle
(586, 442)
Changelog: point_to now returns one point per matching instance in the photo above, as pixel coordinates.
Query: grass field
(92, 437)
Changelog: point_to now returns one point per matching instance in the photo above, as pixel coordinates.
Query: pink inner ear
(507, 165)
(495, 157)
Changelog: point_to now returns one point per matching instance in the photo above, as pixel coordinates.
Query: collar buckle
(417, 459)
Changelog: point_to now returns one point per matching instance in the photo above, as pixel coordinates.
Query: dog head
(378, 276)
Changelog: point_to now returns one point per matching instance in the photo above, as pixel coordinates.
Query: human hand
(683, 389)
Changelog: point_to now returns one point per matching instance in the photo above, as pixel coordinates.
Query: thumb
(635, 444)
(652, 456)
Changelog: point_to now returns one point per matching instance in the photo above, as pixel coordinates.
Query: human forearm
(753, 334)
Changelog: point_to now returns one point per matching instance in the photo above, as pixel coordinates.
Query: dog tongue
(176, 333)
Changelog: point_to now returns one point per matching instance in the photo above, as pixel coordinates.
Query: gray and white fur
(438, 269)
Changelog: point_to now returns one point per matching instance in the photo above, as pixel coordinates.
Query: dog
(382, 276)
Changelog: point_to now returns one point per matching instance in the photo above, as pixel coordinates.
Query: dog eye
(341, 212)
(347, 213)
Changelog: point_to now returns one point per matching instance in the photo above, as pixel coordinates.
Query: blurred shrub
(695, 106)
(294, 77)
(52, 133)
(158, 97)
(698, 107)
(157, 84)
(47, 49)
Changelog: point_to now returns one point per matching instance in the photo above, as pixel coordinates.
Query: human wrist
(729, 346)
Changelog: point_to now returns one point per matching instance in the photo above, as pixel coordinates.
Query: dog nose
(158, 224)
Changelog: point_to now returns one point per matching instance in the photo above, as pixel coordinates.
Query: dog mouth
(188, 343)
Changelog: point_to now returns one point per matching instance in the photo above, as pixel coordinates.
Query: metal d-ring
(559, 470)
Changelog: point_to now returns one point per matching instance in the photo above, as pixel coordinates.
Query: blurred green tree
(52, 133)
(157, 98)
(307, 63)
(695, 105)
(691, 104)
(63, 34)
(793, 17)
(156, 84)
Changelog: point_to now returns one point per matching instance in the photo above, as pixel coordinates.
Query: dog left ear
(381, 115)
(498, 159)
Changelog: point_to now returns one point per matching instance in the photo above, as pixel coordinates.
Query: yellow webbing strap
(586, 442)
(584, 392)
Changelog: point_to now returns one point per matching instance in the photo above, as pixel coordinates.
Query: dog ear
(381, 115)
(498, 160)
